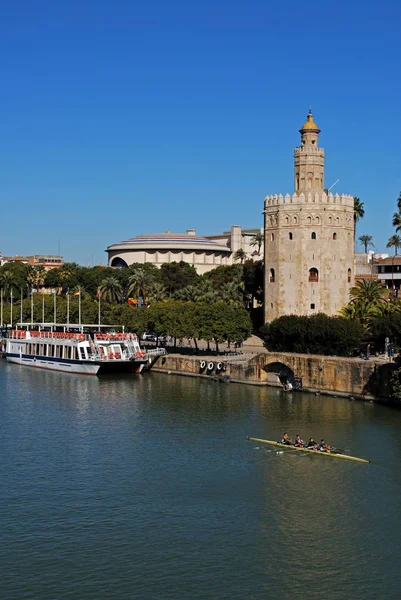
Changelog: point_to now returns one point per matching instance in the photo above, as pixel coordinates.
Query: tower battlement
(308, 150)
(318, 197)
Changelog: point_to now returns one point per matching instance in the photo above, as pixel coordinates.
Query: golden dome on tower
(310, 124)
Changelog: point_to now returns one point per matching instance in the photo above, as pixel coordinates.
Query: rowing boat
(297, 449)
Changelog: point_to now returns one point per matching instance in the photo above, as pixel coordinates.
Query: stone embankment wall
(325, 374)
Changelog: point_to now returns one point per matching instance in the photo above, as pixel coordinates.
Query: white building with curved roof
(160, 248)
(203, 253)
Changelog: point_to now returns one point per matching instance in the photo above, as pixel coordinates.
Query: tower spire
(309, 158)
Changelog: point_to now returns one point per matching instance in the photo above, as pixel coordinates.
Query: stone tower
(309, 239)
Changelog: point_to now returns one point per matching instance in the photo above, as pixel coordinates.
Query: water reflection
(151, 482)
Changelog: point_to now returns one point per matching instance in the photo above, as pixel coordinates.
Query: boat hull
(55, 364)
(121, 366)
(312, 452)
(78, 367)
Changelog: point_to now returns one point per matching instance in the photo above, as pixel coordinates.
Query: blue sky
(119, 118)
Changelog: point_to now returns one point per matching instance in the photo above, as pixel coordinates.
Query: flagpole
(98, 291)
(43, 308)
(79, 306)
(31, 305)
(55, 309)
(68, 306)
(21, 307)
(11, 309)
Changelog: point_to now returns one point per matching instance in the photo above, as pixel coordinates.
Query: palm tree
(366, 241)
(394, 242)
(139, 283)
(369, 290)
(157, 292)
(190, 293)
(397, 221)
(35, 276)
(399, 202)
(359, 212)
(240, 255)
(7, 283)
(111, 290)
(232, 294)
(206, 291)
(257, 240)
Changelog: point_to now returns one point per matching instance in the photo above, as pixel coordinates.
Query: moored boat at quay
(81, 349)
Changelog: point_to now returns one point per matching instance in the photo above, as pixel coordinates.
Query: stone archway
(278, 373)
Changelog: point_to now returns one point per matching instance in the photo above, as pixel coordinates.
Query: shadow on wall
(378, 384)
(279, 373)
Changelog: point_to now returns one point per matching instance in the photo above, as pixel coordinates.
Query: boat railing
(56, 335)
(156, 352)
(115, 337)
(17, 334)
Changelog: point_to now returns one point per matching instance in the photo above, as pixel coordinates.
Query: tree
(36, 275)
(111, 290)
(257, 240)
(359, 212)
(207, 292)
(7, 283)
(394, 242)
(191, 293)
(139, 283)
(232, 294)
(386, 326)
(366, 241)
(157, 292)
(369, 290)
(177, 275)
(240, 255)
(397, 215)
(224, 274)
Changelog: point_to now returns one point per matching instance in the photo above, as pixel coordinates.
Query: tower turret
(309, 159)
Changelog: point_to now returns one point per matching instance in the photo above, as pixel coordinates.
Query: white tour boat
(83, 349)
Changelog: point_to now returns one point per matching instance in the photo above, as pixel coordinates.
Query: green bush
(318, 334)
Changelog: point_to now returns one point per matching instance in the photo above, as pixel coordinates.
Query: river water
(145, 487)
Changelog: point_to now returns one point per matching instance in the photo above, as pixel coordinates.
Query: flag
(53, 293)
(67, 292)
(98, 293)
(76, 293)
(132, 301)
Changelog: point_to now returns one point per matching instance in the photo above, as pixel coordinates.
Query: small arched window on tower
(290, 235)
(317, 220)
(309, 220)
(295, 220)
(272, 276)
(272, 237)
(334, 236)
(313, 275)
(287, 220)
(349, 275)
(313, 235)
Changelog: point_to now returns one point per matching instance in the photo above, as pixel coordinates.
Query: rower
(311, 444)
(286, 440)
(298, 441)
(323, 447)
